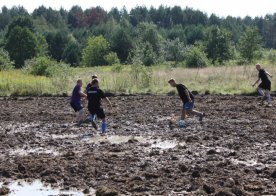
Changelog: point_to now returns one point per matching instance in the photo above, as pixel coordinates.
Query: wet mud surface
(232, 152)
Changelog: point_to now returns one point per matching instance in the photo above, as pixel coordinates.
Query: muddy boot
(78, 124)
(94, 125)
(201, 116)
(86, 120)
(171, 124)
(262, 101)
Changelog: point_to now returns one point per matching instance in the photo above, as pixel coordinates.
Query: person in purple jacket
(75, 101)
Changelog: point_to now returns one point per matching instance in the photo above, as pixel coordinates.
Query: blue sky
(221, 8)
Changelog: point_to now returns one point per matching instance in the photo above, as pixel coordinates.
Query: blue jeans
(188, 105)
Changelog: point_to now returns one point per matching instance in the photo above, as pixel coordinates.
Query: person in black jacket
(94, 96)
(188, 100)
(90, 83)
(265, 85)
(94, 117)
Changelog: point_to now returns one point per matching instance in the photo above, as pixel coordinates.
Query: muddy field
(233, 152)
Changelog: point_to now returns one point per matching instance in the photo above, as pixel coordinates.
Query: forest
(144, 36)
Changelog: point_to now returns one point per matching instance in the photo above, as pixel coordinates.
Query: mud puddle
(166, 144)
(24, 152)
(247, 162)
(37, 188)
(113, 139)
(119, 139)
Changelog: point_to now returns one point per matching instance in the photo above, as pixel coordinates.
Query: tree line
(93, 36)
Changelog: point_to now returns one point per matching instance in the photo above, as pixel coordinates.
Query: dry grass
(226, 80)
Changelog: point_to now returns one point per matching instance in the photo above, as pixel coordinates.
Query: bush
(175, 50)
(141, 75)
(5, 62)
(241, 61)
(144, 54)
(194, 57)
(272, 56)
(111, 58)
(44, 66)
(117, 68)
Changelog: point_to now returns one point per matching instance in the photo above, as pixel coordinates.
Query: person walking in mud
(90, 83)
(95, 95)
(265, 85)
(188, 100)
(75, 101)
(92, 118)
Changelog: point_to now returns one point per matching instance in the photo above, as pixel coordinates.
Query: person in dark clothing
(188, 100)
(90, 83)
(75, 100)
(94, 96)
(92, 118)
(265, 85)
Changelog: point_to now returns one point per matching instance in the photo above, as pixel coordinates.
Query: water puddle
(117, 139)
(250, 163)
(167, 144)
(37, 188)
(23, 152)
(246, 163)
(65, 136)
(114, 139)
(98, 139)
(161, 119)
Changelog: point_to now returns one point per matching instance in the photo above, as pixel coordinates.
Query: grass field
(136, 79)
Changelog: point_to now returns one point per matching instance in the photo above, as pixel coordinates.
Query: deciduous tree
(21, 45)
(250, 44)
(93, 54)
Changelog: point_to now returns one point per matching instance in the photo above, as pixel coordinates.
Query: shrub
(117, 68)
(111, 58)
(5, 62)
(175, 50)
(44, 66)
(194, 57)
(272, 56)
(141, 75)
(144, 54)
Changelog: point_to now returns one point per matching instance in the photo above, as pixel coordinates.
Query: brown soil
(232, 152)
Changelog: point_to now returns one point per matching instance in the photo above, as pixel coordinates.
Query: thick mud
(232, 152)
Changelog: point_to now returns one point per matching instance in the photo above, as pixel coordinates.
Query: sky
(222, 8)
